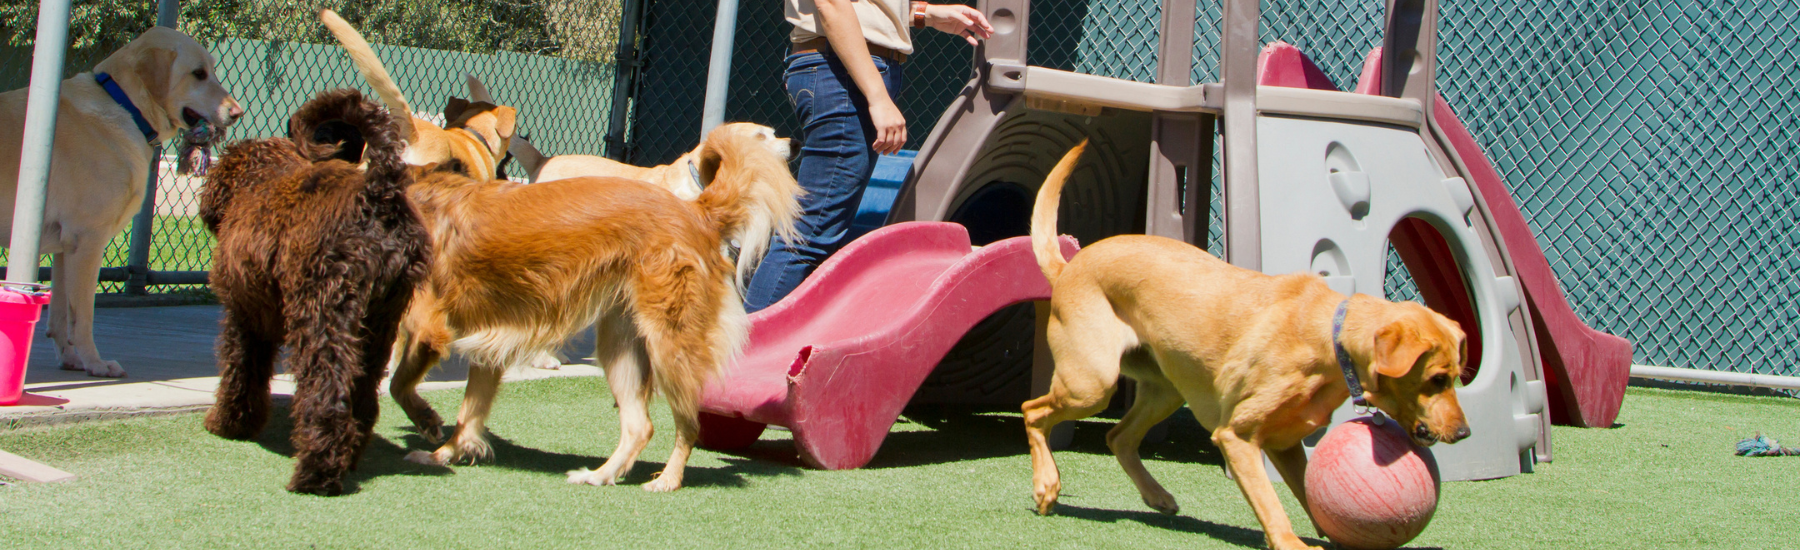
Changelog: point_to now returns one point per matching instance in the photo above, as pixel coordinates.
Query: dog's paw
(593, 477)
(663, 484)
(1164, 503)
(314, 483)
(1045, 496)
(432, 434)
(547, 361)
(428, 459)
(468, 449)
(231, 424)
(103, 369)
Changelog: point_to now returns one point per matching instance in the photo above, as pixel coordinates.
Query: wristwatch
(918, 14)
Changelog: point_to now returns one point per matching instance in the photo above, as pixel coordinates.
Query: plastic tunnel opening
(1421, 267)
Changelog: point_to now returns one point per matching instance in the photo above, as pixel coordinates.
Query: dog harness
(1343, 356)
(118, 95)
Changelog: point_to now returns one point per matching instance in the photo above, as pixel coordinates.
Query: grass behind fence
(1665, 478)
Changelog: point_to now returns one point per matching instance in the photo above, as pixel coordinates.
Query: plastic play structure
(1346, 175)
(838, 358)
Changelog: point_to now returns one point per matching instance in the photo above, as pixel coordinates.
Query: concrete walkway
(167, 353)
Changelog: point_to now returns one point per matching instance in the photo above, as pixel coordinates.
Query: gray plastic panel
(1343, 187)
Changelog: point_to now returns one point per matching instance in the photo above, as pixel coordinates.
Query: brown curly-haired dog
(322, 256)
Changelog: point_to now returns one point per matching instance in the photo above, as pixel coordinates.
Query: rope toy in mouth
(194, 153)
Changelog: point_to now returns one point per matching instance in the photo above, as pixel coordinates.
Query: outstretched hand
(959, 20)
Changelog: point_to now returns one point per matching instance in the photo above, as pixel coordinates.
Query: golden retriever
(101, 159)
(1261, 360)
(518, 268)
(682, 177)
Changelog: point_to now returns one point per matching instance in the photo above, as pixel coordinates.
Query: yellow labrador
(101, 159)
(1261, 360)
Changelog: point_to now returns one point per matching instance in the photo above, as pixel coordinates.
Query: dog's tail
(371, 68)
(345, 125)
(1043, 214)
(752, 198)
(528, 155)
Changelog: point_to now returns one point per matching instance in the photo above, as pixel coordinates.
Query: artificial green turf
(1665, 478)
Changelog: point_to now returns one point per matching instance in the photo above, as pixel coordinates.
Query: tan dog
(474, 135)
(511, 279)
(101, 160)
(1254, 356)
(681, 177)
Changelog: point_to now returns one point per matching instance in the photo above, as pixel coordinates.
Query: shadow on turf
(1230, 534)
(955, 434)
(381, 458)
(512, 456)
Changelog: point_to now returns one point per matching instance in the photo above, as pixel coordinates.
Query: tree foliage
(574, 29)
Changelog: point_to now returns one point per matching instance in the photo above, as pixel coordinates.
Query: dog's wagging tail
(1043, 213)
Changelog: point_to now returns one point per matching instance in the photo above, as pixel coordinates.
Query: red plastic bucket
(19, 309)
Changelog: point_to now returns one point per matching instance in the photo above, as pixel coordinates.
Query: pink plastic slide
(1586, 370)
(836, 360)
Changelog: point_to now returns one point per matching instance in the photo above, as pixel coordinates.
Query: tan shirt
(885, 23)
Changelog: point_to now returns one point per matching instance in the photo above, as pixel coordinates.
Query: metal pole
(137, 257)
(168, 13)
(1716, 377)
(718, 73)
(625, 69)
(40, 132)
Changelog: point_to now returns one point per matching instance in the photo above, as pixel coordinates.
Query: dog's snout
(1462, 432)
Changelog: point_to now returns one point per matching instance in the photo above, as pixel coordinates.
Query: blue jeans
(835, 162)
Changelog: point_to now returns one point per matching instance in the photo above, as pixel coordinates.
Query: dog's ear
(1397, 348)
(453, 109)
(477, 91)
(506, 121)
(708, 163)
(152, 69)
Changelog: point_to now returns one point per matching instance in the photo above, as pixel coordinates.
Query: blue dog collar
(1343, 356)
(118, 95)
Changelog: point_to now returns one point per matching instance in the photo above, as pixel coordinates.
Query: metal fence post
(137, 257)
(718, 74)
(625, 72)
(40, 133)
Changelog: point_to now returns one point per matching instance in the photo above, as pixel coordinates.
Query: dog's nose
(234, 111)
(1462, 432)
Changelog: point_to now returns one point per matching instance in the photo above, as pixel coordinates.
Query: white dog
(153, 89)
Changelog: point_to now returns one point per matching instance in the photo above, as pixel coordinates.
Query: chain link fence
(1652, 146)
(551, 60)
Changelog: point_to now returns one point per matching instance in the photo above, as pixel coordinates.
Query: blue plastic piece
(878, 198)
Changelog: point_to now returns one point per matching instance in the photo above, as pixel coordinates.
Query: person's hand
(959, 20)
(890, 126)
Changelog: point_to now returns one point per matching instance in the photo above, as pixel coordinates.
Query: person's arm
(837, 21)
